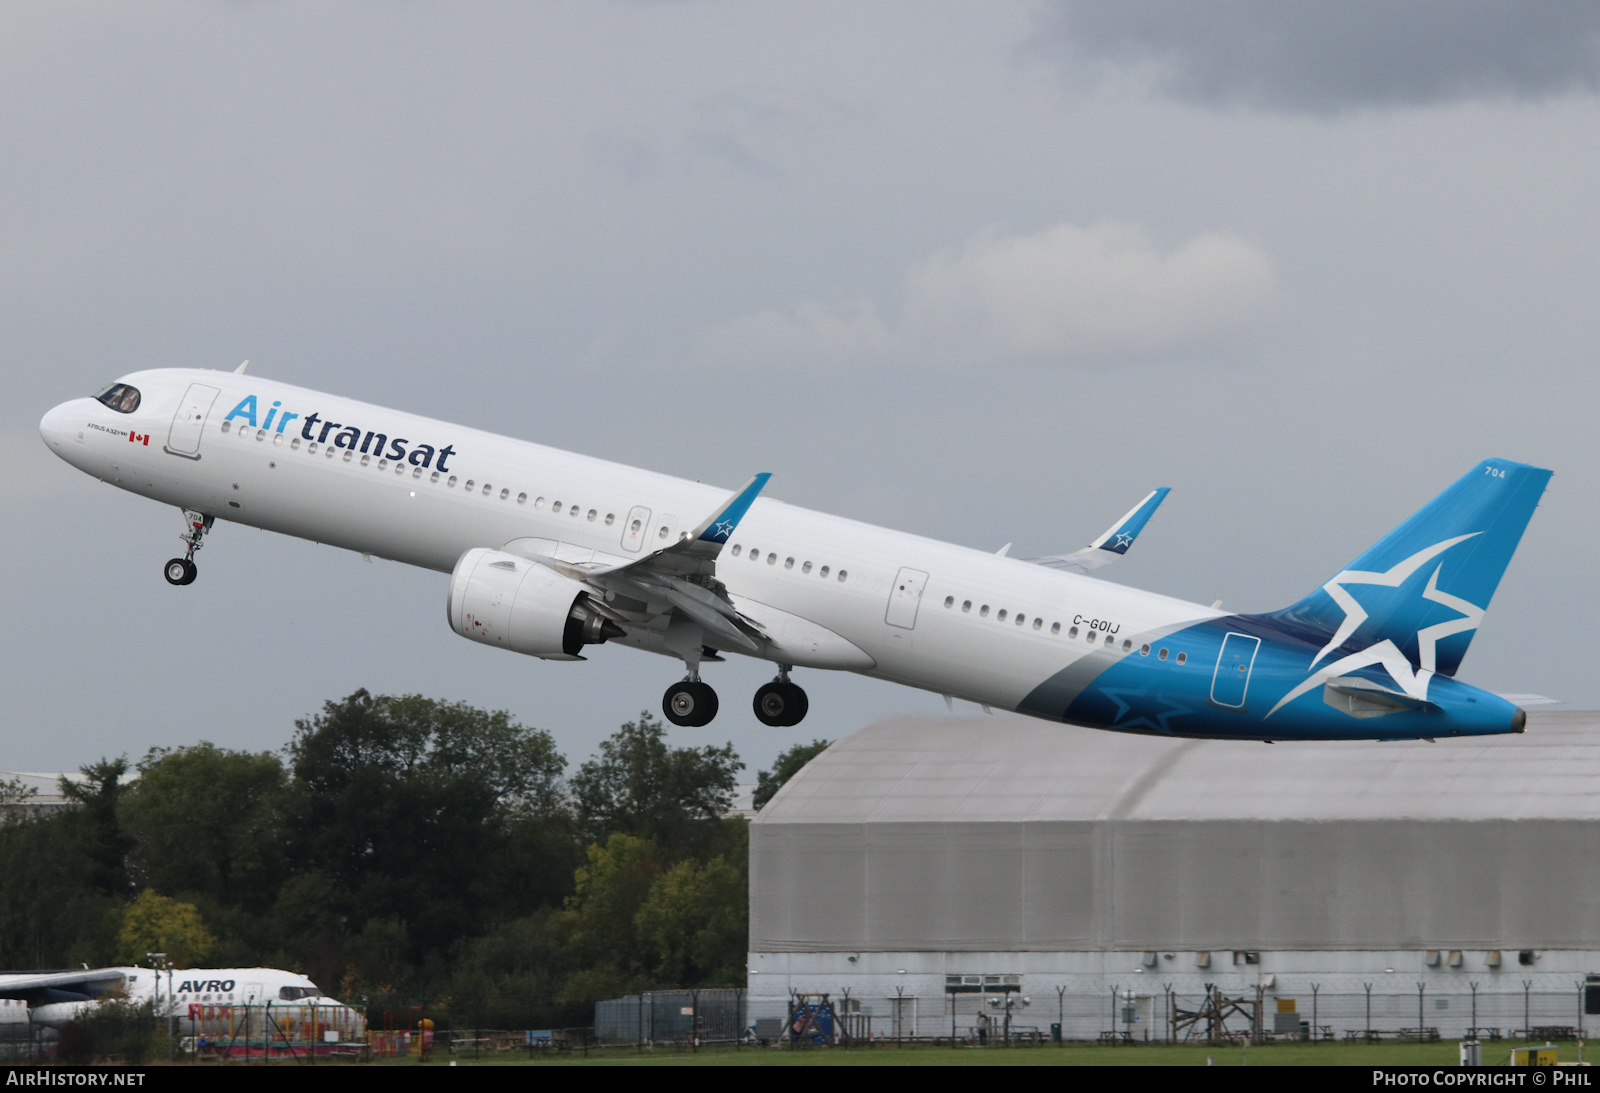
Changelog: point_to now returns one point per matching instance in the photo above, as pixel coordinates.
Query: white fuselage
(299, 479)
(188, 995)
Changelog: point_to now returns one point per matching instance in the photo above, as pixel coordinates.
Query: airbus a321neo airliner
(550, 552)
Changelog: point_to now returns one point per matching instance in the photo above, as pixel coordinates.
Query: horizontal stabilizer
(1114, 543)
(1364, 698)
(1531, 700)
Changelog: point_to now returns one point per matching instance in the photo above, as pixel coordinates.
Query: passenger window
(1073, 632)
(576, 510)
(788, 563)
(347, 454)
(1161, 655)
(755, 555)
(469, 485)
(1037, 623)
(806, 568)
(611, 518)
(843, 574)
(592, 515)
(1126, 645)
(1021, 618)
(538, 502)
(1144, 650)
(383, 464)
(226, 426)
(312, 448)
(294, 444)
(451, 482)
(966, 605)
(434, 477)
(556, 507)
(772, 559)
(736, 547)
(416, 472)
(983, 612)
(507, 493)
(522, 499)
(1002, 615)
(365, 460)
(1181, 656)
(1109, 640)
(823, 572)
(120, 397)
(1055, 628)
(949, 601)
(662, 534)
(277, 440)
(486, 489)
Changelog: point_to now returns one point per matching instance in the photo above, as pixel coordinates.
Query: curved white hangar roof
(1007, 834)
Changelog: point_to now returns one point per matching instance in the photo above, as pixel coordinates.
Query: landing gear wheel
(690, 703)
(179, 571)
(780, 704)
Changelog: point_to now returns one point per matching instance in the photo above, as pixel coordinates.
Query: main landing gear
(781, 704)
(182, 570)
(692, 703)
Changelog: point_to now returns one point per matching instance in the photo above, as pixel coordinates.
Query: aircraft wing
(1114, 543)
(85, 981)
(681, 576)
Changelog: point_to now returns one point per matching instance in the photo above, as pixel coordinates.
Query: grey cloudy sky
(987, 272)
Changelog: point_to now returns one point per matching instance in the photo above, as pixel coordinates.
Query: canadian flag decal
(137, 439)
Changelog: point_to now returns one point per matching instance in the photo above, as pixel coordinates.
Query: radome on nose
(55, 427)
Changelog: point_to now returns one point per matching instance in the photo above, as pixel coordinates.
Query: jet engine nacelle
(511, 603)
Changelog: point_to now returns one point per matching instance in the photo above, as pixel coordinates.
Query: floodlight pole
(160, 963)
(1061, 1013)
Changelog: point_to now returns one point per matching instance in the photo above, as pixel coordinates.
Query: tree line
(402, 851)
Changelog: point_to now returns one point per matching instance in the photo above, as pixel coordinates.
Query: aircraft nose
(56, 426)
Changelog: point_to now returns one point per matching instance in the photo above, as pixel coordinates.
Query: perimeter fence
(1122, 1015)
(687, 1017)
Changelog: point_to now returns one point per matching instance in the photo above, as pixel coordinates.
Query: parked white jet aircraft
(550, 552)
(55, 998)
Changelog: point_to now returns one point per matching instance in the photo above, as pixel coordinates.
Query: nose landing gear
(781, 704)
(182, 570)
(690, 703)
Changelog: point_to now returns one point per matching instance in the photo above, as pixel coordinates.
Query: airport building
(943, 873)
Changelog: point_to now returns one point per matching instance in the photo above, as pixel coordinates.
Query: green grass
(1443, 1053)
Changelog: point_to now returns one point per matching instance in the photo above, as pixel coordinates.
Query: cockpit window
(294, 994)
(120, 397)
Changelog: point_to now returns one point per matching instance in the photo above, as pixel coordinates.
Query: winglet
(719, 525)
(239, 371)
(1120, 536)
(1116, 540)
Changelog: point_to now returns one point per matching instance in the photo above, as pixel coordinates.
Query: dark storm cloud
(1318, 57)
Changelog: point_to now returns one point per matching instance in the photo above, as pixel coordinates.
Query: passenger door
(905, 597)
(1231, 680)
(190, 420)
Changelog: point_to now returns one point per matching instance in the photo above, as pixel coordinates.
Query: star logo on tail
(1412, 680)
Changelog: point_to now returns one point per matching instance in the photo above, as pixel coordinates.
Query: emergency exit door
(1231, 681)
(904, 598)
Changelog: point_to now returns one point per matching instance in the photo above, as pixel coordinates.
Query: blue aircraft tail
(1426, 585)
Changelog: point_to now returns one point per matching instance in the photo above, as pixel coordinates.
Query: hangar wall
(1009, 835)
